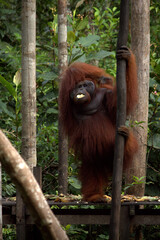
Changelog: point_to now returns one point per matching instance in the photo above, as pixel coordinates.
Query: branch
(31, 193)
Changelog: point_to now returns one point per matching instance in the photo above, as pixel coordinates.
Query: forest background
(92, 37)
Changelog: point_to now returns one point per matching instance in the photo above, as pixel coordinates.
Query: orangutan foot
(97, 198)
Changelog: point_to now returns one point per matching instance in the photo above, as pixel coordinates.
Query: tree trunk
(30, 190)
(28, 148)
(140, 39)
(29, 82)
(62, 56)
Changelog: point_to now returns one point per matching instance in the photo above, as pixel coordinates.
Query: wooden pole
(121, 118)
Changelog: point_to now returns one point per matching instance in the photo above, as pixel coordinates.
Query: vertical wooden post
(124, 223)
(121, 118)
(32, 231)
(20, 218)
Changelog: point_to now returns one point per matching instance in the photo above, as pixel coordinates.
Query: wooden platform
(133, 211)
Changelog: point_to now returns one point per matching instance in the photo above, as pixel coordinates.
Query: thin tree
(140, 41)
(28, 148)
(30, 190)
(63, 62)
(29, 82)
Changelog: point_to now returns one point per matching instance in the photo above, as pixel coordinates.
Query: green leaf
(82, 24)
(114, 9)
(154, 141)
(76, 57)
(52, 110)
(100, 55)
(79, 59)
(67, 227)
(47, 76)
(89, 40)
(152, 97)
(8, 86)
(74, 182)
(71, 37)
(3, 108)
(76, 54)
(157, 69)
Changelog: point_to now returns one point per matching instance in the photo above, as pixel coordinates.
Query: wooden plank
(145, 220)
(91, 216)
(9, 219)
(84, 219)
(90, 219)
(125, 223)
(32, 232)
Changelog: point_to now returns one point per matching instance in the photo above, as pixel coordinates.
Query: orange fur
(93, 138)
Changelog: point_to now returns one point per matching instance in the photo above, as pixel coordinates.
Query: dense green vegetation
(92, 35)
